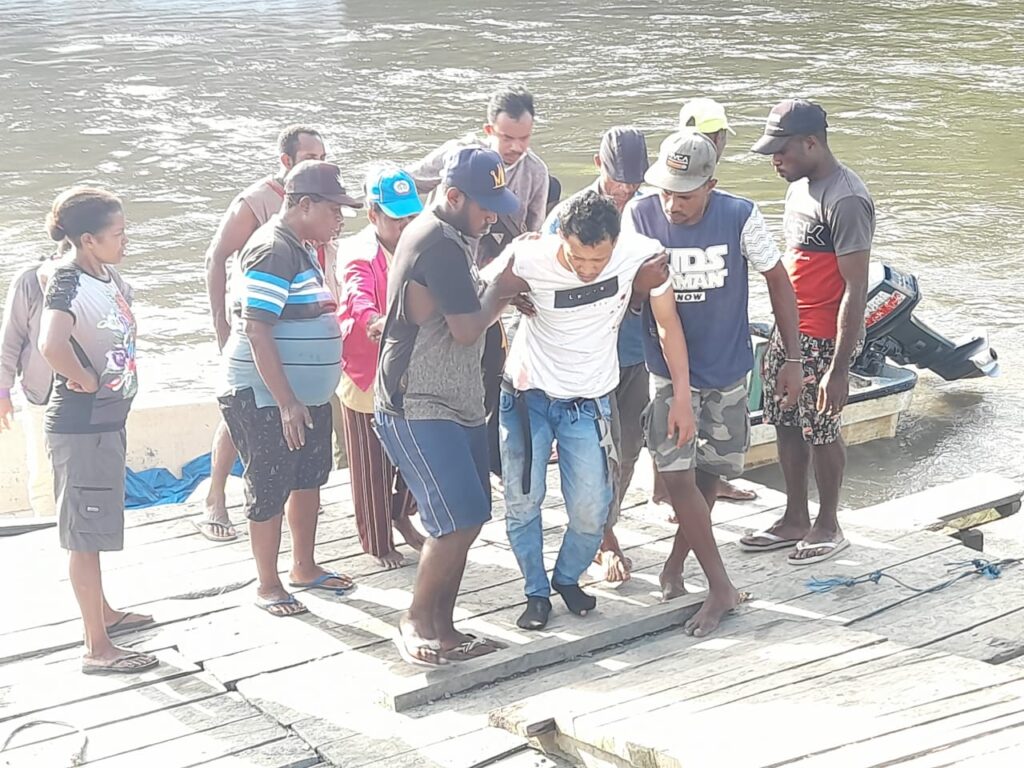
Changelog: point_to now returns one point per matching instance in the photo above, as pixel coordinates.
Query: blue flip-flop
(321, 583)
(269, 603)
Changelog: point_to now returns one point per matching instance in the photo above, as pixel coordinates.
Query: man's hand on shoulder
(652, 273)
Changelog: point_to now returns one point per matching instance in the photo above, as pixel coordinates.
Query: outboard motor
(893, 332)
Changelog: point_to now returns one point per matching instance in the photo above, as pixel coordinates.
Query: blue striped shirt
(281, 284)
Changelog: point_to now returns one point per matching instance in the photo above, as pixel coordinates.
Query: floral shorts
(817, 428)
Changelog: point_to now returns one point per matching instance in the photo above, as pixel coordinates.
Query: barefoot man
(712, 238)
(253, 208)
(621, 163)
(282, 364)
(562, 371)
(707, 116)
(829, 223)
(430, 392)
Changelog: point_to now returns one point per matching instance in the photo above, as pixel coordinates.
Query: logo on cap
(678, 162)
(402, 187)
(498, 176)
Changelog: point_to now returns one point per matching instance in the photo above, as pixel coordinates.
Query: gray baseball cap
(686, 161)
(623, 154)
(789, 118)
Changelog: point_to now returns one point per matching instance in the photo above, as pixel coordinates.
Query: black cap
(480, 175)
(792, 117)
(623, 154)
(317, 177)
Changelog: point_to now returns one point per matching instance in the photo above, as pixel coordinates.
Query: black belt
(604, 433)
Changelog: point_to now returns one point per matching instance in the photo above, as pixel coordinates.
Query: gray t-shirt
(103, 339)
(423, 372)
(825, 220)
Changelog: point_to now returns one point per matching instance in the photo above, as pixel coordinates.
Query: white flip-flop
(832, 548)
(408, 658)
(774, 542)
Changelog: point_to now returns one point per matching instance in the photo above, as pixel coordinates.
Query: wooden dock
(894, 671)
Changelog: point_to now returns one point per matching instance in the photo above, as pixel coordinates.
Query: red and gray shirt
(825, 220)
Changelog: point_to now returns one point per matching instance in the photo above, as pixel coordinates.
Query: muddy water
(175, 104)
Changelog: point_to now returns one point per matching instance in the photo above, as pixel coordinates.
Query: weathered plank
(289, 752)
(464, 751)
(112, 708)
(199, 748)
(42, 686)
(933, 507)
(135, 733)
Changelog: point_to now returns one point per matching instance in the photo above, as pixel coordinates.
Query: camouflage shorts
(817, 354)
(723, 429)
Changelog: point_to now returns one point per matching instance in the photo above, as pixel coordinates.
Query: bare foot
(671, 585)
(392, 560)
(727, 490)
(616, 566)
(715, 606)
(409, 532)
(415, 648)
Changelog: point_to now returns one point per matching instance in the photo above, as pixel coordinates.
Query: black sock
(577, 601)
(536, 614)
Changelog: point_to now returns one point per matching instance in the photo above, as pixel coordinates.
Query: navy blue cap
(480, 175)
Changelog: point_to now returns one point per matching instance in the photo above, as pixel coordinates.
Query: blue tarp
(151, 487)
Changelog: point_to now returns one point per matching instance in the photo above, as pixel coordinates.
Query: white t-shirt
(569, 348)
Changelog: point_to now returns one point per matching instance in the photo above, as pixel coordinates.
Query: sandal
(320, 582)
(130, 663)
(829, 549)
(771, 542)
(281, 607)
(208, 528)
(470, 649)
(128, 622)
(432, 648)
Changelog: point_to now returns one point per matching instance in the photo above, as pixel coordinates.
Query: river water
(175, 105)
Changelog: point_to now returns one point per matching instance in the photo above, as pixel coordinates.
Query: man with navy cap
(621, 161)
(282, 364)
(829, 225)
(430, 394)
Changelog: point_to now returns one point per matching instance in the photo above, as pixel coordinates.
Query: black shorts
(271, 471)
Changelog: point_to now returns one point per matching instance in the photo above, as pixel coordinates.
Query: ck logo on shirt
(696, 270)
(804, 232)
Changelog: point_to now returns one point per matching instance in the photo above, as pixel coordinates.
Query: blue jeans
(581, 429)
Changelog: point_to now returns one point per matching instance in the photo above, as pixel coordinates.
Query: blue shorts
(445, 465)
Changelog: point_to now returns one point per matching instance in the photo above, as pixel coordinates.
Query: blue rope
(978, 566)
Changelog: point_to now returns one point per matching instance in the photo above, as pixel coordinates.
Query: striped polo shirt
(283, 285)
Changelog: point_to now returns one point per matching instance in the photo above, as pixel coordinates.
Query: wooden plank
(807, 713)
(136, 733)
(934, 507)
(16, 526)
(112, 708)
(42, 686)
(471, 749)
(199, 748)
(289, 752)
(960, 615)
